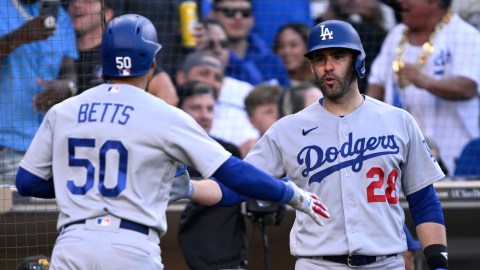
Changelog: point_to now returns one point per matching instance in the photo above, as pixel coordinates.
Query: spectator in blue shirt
(248, 51)
(468, 164)
(37, 54)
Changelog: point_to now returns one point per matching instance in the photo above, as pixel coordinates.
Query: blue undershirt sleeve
(229, 197)
(425, 206)
(247, 180)
(29, 184)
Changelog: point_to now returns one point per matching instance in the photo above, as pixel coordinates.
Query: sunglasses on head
(212, 44)
(231, 12)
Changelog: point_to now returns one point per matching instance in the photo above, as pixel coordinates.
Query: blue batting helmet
(129, 45)
(337, 34)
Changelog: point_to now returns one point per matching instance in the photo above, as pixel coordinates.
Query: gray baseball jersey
(357, 164)
(114, 150)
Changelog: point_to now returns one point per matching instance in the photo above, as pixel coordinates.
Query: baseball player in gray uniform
(109, 156)
(357, 154)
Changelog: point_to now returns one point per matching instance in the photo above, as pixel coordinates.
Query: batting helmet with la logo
(337, 34)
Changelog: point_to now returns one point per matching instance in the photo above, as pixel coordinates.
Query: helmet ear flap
(360, 65)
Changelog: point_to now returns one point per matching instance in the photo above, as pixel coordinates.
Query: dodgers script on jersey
(358, 164)
(105, 135)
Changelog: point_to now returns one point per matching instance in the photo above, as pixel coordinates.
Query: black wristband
(437, 256)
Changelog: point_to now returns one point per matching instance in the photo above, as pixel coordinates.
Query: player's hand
(308, 203)
(182, 187)
(54, 92)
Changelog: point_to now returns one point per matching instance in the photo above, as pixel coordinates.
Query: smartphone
(49, 7)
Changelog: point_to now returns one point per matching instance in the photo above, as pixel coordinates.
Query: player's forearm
(433, 238)
(431, 233)
(206, 192)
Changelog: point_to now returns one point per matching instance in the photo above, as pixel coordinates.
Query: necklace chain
(427, 49)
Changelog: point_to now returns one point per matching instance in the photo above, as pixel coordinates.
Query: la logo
(326, 32)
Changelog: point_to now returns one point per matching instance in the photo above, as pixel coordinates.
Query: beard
(338, 90)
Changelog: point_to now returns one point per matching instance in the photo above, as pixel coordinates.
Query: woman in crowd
(290, 45)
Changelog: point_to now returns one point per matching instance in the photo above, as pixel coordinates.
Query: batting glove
(308, 203)
(181, 187)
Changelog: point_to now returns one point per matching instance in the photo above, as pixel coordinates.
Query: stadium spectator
(270, 15)
(231, 121)
(290, 45)
(209, 237)
(89, 18)
(468, 164)
(246, 47)
(435, 74)
(469, 10)
(262, 109)
(298, 97)
(212, 36)
(37, 54)
(165, 17)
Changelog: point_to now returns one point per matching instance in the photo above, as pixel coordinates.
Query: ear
(180, 78)
(108, 14)
(154, 64)
(310, 63)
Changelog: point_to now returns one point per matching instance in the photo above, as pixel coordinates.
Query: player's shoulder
(459, 25)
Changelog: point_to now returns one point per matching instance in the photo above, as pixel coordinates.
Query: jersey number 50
(109, 145)
(390, 194)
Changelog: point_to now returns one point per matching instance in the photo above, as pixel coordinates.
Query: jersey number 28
(390, 193)
(109, 145)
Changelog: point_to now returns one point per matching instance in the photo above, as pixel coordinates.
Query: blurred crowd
(255, 43)
(246, 69)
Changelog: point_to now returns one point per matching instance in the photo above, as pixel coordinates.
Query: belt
(124, 224)
(352, 261)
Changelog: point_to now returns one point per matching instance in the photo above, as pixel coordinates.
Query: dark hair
(445, 4)
(261, 94)
(211, 21)
(302, 29)
(196, 59)
(108, 3)
(293, 100)
(216, 2)
(192, 88)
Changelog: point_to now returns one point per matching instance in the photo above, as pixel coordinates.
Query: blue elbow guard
(425, 206)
